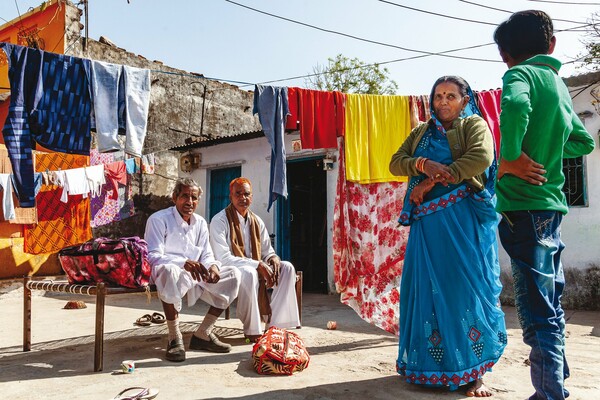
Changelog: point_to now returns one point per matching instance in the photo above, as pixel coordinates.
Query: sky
(226, 41)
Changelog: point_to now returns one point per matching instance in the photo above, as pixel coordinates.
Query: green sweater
(471, 145)
(538, 118)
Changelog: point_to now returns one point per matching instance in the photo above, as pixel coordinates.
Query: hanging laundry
(116, 173)
(320, 115)
(368, 248)
(5, 167)
(27, 215)
(8, 207)
(59, 224)
(132, 165)
(376, 126)
(38, 180)
(489, 104)
(419, 110)
(106, 208)
(271, 105)
(293, 117)
(75, 183)
(148, 164)
(24, 216)
(96, 179)
(121, 98)
(49, 107)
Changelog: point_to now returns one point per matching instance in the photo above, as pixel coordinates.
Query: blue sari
(452, 329)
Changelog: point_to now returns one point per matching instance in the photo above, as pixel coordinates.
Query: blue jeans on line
(532, 240)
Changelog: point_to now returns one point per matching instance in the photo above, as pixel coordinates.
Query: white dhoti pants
(173, 282)
(284, 307)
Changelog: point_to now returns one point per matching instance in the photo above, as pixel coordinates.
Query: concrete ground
(356, 361)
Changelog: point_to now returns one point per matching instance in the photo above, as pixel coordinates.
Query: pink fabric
(114, 203)
(489, 104)
(116, 173)
(368, 248)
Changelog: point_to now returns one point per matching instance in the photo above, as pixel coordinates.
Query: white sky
(225, 41)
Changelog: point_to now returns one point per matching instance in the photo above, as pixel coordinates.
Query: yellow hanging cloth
(376, 126)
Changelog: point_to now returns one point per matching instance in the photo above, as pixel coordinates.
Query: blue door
(219, 188)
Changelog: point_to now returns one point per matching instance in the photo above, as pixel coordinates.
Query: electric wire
(422, 55)
(356, 37)
(511, 12)
(437, 14)
(566, 2)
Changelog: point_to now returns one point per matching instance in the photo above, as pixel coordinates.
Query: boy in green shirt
(538, 128)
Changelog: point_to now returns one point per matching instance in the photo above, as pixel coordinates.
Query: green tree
(351, 76)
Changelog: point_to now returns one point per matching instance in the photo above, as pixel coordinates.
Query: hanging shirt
(271, 105)
(95, 177)
(75, 183)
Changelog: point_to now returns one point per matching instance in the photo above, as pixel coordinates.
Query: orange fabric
(58, 161)
(59, 224)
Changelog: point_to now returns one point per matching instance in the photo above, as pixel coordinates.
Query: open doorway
(302, 222)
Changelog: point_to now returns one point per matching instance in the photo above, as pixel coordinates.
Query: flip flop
(138, 393)
(144, 320)
(158, 318)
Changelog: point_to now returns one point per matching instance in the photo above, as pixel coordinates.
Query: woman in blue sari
(452, 329)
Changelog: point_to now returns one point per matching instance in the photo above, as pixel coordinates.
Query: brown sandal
(158, 318)
(144, 320)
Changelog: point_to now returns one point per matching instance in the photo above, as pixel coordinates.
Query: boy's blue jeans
(532, 240)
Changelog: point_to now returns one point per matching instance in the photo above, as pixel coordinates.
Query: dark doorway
(219, 188)
(303, 222)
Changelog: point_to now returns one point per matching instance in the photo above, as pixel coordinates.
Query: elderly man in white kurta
(239, 238)
(183, 264)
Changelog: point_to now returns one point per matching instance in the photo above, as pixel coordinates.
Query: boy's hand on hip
(524, 168)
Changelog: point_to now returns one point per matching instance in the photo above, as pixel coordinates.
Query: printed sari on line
(368, 248)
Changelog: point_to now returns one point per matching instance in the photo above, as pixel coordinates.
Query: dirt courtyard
(355, 361)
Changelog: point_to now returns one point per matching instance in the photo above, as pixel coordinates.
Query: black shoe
(175, 350)
(214, 344)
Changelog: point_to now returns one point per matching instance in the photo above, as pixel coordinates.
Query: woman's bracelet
(420, 164)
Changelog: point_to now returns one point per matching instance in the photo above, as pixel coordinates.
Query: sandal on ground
(144, 320)
(158, 318)
(137, 393)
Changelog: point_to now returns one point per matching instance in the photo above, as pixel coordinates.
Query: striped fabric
(49, 104)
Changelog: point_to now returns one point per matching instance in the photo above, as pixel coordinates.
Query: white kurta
(284, 307)
(171, 242)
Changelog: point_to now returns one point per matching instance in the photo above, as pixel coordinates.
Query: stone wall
(185, 108)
